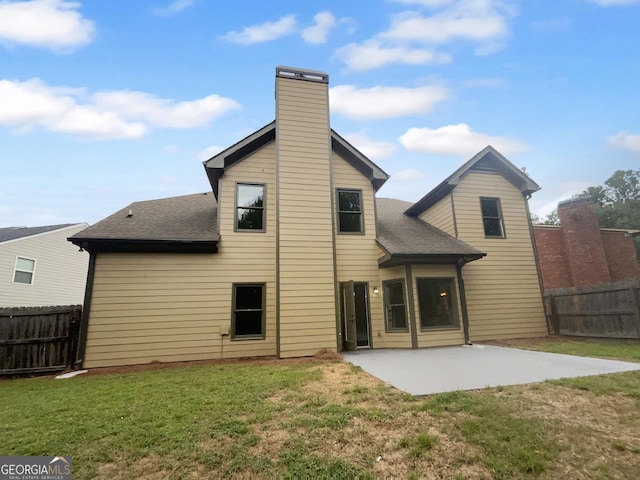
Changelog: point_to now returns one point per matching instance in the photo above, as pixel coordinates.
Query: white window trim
(15, 269)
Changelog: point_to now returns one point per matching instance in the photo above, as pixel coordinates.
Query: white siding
(60, 270)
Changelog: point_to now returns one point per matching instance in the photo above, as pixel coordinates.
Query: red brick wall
(583, 243)
(579, 254)
(552, 256)
(621, 255)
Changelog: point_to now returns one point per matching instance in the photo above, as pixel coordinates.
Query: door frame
(349, 310)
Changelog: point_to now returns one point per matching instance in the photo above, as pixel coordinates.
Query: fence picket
(608, 310)
(38, 339)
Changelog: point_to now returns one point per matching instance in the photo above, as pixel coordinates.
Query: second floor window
(23, 272)
(250, 207)
(492, 218)
(350, 211)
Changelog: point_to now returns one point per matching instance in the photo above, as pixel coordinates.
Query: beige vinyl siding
(306, 272)
(173, 307)
(60, 271)
(502, 290)
(438, 337)
(394, 339)
(357, 255)
(441, 216)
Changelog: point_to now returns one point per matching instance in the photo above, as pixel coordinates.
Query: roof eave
(125, 245)
(397, 259)
(513, 174)
(358, 160)
(216, 165)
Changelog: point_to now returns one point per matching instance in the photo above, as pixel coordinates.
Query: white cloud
(372, 149)
(374, 54)
(164, 112)
(173, 8)
(91, 123)
(209, 152)
(416, 37)
(384, 102)
(105, 115)
(409, 175)
(264, 32)
(53, 24)
(615, 3)
(456, 140)
(626, 141)
(33, 103)
(318, 32)
(476, 21)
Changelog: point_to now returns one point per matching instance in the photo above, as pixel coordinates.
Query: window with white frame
(24, 270)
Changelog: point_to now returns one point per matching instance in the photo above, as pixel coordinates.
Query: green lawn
(628, 350)
(321, 419)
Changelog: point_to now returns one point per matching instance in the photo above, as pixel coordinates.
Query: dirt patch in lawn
(351, 415)
(597, 435)
(322, 355)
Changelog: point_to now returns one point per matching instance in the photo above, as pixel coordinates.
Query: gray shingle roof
(193, 218)
(11, 233)
(400, 234)
(185, 218)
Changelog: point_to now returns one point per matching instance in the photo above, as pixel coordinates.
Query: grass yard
(322, 418)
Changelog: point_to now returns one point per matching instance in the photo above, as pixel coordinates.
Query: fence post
(72, 342)
(554, 321)
(635, 294)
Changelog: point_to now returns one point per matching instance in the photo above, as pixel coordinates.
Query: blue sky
(106, 103)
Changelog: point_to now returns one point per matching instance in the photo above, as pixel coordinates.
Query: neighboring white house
(39, 267)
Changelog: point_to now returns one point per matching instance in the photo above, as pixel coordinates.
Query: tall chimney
(583, 243)
(305, 226)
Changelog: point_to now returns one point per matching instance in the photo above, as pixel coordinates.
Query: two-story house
(291, 252)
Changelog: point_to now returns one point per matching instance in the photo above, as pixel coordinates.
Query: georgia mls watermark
(35, 468)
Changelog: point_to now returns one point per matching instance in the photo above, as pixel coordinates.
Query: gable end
(488, 160)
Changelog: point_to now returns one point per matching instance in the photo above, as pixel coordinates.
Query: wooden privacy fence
(610, 310)
(38, 339)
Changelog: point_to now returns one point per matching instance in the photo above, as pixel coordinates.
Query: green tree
(618, 201)
(550, 219)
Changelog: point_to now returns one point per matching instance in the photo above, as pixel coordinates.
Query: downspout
(84, 324)
(537, 261)
(412, 308)
(463, 302)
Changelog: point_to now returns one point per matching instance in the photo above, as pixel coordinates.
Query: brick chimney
(586, 255)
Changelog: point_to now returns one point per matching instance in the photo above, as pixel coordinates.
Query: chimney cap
(295, 73)
(575, 201)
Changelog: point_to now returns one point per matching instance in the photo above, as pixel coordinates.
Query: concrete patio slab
(469, 367)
